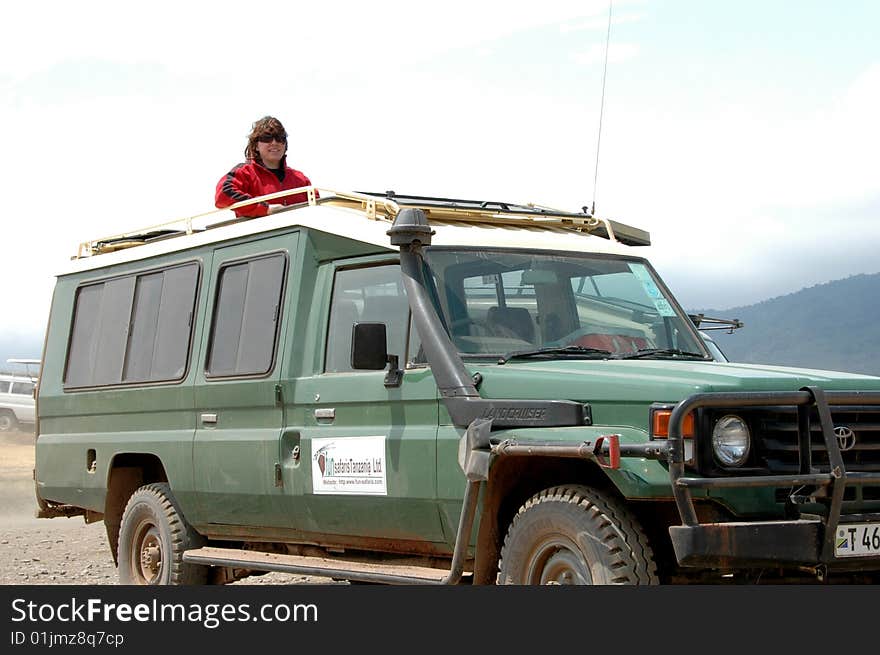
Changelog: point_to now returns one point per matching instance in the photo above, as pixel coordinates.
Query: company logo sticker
(349, 465)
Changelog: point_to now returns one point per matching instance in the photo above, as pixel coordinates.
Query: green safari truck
(409, 390)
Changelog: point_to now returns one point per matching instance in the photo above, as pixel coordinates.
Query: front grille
(775, 431)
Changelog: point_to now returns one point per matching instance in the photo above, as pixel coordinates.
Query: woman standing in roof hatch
(265, 171)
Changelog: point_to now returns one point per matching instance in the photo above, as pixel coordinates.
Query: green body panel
(407, 419)
(610, 385)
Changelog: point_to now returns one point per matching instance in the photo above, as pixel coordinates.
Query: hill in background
(833, 326)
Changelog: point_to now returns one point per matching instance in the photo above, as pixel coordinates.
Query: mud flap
(474, 457)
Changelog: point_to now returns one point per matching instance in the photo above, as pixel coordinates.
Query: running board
(320, 566)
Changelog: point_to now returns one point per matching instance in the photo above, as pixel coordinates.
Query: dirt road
(59, 551)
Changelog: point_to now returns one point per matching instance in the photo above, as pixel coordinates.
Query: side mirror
(369, 351)
(369, 346)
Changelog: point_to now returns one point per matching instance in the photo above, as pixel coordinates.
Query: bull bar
(808, 540)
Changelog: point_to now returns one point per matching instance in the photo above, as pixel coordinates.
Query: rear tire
(575, 535)
(152, 539)
(8, 422)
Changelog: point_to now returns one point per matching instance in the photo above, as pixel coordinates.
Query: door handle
(325, 413)
(209, 419)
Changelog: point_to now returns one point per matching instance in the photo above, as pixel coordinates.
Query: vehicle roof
(7, 377)
(366, 217)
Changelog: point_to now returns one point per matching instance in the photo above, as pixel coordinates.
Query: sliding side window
(136, 328)
(247, 312)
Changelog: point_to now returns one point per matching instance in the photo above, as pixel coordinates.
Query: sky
(742, 135)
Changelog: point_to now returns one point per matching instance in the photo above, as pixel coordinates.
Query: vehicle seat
(615, 343)
(552, 327)
(515, 320)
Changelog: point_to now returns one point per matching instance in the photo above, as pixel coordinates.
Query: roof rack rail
(385, 206)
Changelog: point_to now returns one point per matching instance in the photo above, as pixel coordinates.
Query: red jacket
(250, 180)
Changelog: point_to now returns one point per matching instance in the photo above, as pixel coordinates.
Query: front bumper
(805, 540)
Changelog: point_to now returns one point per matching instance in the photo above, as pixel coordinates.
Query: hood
(640, 380)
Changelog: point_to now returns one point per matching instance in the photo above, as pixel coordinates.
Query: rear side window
(247, 312)
(136, 328)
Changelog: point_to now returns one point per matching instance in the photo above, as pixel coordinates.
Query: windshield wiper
(661, 352)
(549, 352)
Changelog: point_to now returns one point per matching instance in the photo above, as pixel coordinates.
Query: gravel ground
(63, 550)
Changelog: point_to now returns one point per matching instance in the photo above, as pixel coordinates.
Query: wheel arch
(512, 481)
(126, 473)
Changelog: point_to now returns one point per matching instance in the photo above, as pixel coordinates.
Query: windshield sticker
(349, 465)
(650, 287)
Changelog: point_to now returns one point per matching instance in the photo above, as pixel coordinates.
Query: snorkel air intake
(411, 232)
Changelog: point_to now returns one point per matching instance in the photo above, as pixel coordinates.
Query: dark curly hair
(266, 125)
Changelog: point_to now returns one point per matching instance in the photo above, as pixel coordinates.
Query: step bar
(319, 566)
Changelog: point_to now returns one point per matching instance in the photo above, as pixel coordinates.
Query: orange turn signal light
(660, 424)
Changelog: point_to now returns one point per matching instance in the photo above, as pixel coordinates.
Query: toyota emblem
(846, 438)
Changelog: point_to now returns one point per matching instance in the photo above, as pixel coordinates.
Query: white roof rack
(385, 207)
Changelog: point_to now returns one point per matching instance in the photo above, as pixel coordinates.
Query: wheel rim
(147, 554)
(558, 561)
(5, 422)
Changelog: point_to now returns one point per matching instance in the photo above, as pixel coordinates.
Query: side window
(366, 295)
(135, 328)
(24, 388)
(158, 346)
(244, 332)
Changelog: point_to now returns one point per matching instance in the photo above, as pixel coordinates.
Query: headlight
(730, 440)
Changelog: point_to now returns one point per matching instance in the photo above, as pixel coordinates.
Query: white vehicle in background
(16, 402)
(17, 397)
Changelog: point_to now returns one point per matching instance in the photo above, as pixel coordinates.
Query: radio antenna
(601, 109)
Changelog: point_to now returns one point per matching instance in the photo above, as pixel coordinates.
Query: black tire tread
(13, 420)
(613, 522)
(183, 536)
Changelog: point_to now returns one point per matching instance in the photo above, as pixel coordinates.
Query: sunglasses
(269, 138)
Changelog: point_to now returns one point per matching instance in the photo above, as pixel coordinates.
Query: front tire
(152, 539)
(575, 535)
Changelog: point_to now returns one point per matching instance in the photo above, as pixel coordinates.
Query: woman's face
(271, 148)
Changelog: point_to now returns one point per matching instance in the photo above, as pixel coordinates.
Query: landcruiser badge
(846, 438)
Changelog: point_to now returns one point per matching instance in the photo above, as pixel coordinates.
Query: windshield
(594, 306)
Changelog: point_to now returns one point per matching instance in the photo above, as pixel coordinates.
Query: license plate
(857, 540)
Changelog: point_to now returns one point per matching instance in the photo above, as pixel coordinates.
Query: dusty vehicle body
(409, 390)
